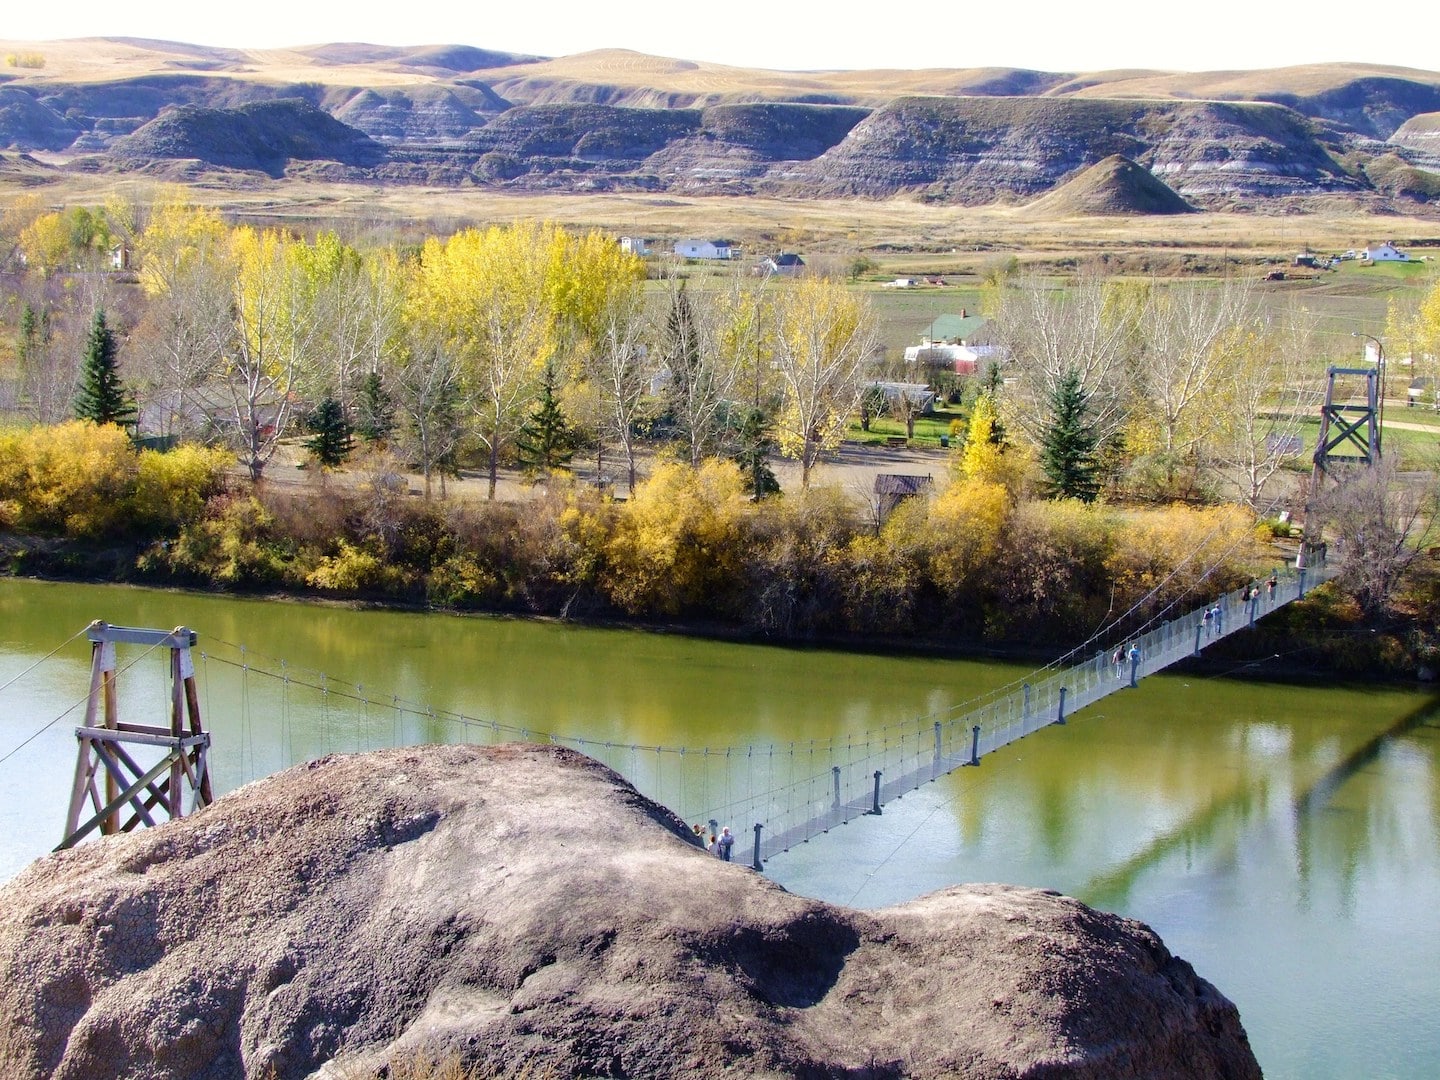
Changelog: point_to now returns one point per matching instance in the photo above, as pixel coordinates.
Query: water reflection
(1283, 838)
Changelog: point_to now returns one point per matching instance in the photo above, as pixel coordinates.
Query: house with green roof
(954, 343)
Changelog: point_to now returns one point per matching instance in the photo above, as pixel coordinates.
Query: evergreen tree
(34, 328)
(1067, 445)
(754, 454)
(546, 440)
(331, 443)
(102, 398)
(375, 413)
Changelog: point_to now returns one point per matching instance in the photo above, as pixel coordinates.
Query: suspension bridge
(774, 795)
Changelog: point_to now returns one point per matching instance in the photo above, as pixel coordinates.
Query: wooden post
(132, 790)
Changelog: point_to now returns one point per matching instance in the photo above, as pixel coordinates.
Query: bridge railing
(851, 781)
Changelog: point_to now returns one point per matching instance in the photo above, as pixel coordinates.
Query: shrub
(237, 543)
(72, 478)
(1170, 551)
(1272, 528)
(789, 579)
(463, 581)
(1050, 577)
(354, 570)
(676, 541)
(171, 488)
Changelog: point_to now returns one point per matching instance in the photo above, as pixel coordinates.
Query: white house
(1384, 253)
(635, 245)
(704, 249)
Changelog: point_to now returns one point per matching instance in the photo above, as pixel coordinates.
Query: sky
(796, 35)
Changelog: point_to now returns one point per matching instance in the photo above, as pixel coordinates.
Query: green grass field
(929, 430)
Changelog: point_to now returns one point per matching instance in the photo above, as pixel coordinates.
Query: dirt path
(852, 469)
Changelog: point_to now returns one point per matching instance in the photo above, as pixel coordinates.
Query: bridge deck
(864, 782)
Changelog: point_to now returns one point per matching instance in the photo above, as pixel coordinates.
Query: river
(1283, 838)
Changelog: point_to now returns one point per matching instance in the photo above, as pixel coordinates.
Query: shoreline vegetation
(974, 571)
(1114, 449)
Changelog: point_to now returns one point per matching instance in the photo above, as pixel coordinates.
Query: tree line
(523, 342)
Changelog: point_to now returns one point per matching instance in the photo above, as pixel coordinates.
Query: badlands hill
(523, 909)
(623, 121)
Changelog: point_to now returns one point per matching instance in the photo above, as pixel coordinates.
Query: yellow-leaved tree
(823, 336)
(275, 325)
(597, 293)
(677, 539)
(175, 354)
(45, 244)
(178, 239)
(986, 459)
(1412, 330)
(486, 297)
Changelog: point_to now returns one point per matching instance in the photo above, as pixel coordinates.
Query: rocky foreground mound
(524, 909)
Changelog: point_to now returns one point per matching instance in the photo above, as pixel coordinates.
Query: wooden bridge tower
(135, 795)
(1349, 431)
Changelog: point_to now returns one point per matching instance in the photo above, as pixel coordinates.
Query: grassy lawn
(1401, 271)
(928, 429)
(1415, 449)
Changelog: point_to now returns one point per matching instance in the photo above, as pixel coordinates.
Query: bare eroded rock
(524, 908)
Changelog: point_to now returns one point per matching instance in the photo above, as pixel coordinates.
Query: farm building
(891, 489)
(787, 262)
(955, 343)
(1384, 253)
(705, 249)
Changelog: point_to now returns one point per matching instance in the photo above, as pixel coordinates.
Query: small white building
(900, 283)
(704, 249)
(1384, 253)
(635, 245)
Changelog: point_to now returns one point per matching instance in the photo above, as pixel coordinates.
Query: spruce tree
(546, 440)
(101, 398)
(375, 413)
(1067, 444)
(753, 457)
(331, 443)
(33, 329)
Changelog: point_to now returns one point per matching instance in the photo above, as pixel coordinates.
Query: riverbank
(973, 566)
(1317, 639)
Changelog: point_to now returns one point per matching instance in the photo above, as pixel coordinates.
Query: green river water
(1285, 839)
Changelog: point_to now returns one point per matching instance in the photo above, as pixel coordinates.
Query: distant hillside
(22, 170)
(1420, 133)
(1115, 186)
(616, 119)
(264, 137)
(455, 59)
(971, 149)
